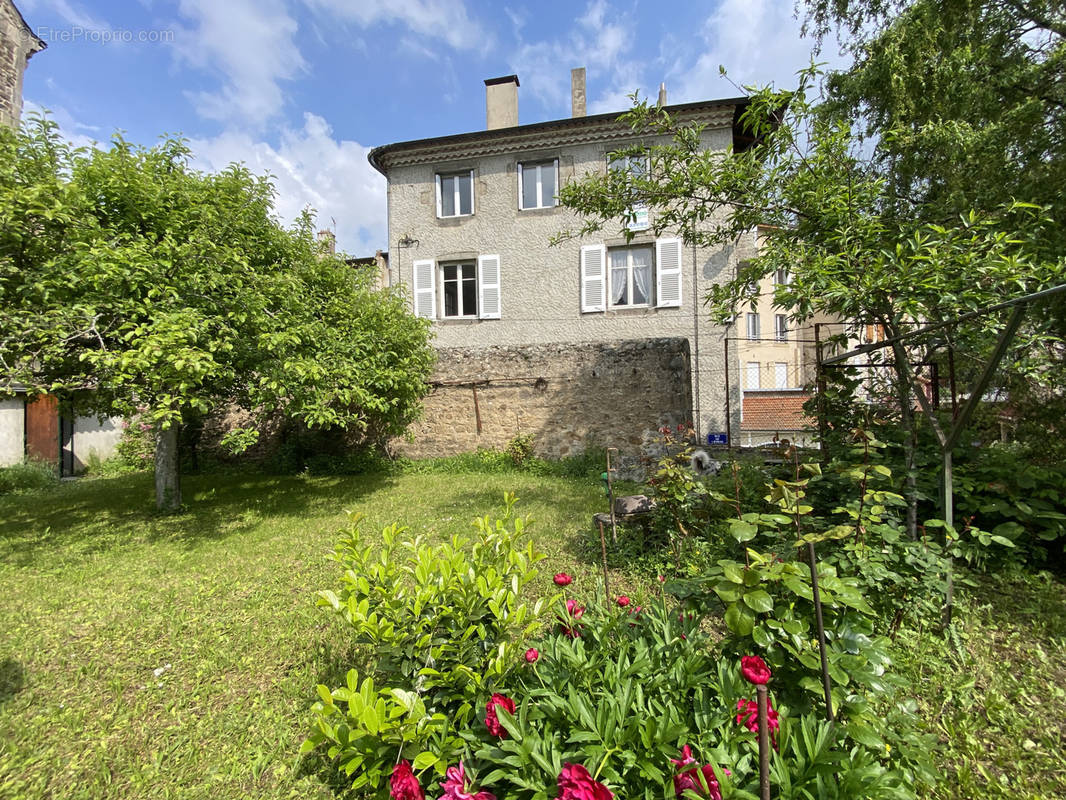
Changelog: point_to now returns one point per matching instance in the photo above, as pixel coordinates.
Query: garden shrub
(612, 697)
(28, 476)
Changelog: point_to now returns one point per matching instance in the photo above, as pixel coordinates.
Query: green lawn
(99, 593)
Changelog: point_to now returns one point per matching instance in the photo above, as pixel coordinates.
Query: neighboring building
(592, 341)
(17, 44)
(34, 428)
(775, 367)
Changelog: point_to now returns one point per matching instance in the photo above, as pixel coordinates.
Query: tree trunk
(167, 480)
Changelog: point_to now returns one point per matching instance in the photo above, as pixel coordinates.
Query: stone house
(596, 341)
(18, 43)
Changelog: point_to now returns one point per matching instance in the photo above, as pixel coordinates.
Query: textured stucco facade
(540, 284)
(17, 44)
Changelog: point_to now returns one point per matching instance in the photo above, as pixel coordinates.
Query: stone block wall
(17, 44)
(569, 396)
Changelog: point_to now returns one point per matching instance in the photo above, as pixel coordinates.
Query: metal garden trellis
(948, 439)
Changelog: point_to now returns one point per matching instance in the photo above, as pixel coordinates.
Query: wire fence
(991, 376)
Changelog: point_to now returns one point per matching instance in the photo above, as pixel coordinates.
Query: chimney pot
(662, 94)
(501, 102)
(577, 92)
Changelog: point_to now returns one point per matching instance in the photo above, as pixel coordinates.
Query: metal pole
(764, 743)
(821, 632)
(610, 495)
(728, 412)
(823, 421)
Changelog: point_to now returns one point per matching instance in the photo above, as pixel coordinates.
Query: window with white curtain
(631, 276)
(781, 327)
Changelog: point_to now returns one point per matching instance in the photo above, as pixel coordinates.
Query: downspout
(698, 419)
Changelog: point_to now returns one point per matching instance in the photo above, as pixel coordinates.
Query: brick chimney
(501, 102)
(577, 92)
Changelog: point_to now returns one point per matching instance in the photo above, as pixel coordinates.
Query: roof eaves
(376, 154)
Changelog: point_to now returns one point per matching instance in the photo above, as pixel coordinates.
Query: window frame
(750, 368)
(440, 177)
(753, 326)
(780, 327)
(609, 269)
(459, 279)
(781, 370)
(539, 164)
(782, 277)
(639, 211)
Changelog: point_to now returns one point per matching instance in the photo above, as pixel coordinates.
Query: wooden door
(42, 428)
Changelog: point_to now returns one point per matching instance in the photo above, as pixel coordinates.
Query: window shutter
(489, 285)
(439, 208)
(425, 289)
(593, 278)
(521, 207)
(668, 272)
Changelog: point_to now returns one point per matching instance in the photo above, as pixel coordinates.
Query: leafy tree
(133, 284)
(856, 251)
(965, 100)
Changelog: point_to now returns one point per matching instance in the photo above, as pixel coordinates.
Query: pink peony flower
(623, 601)
(748, 716)
(562, 579)
(491, 721)
(455, 786)
(404, 785)
(690, 778)
(754, 670)
(532, 654)
(575, 783)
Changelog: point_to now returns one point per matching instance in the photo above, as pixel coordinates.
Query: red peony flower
(532, 654)
(575, 783)
(623, 601)
(491, 721)
(568, 624)
(748, 716)
(455, 786)
(404, 785)
(574, 610)
(562, 579)
(754, 670)
(690, 778)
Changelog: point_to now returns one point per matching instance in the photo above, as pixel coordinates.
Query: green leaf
(759, 600)
(742, 531)
(740, 619)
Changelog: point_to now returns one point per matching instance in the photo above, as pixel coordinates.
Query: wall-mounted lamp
(406, 240)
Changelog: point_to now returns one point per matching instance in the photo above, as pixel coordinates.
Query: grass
(100, 593)
(994, 692)
(148, 656)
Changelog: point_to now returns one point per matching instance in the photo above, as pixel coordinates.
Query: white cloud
(311, 168)
(443, 20)
(757, 41)
(603, 41)
(70, 12)
(250, 45)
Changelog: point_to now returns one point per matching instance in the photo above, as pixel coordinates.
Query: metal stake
(821, 632)
(610, 496)
(764, 742)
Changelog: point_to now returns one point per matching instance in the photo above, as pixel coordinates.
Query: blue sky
(303, 89)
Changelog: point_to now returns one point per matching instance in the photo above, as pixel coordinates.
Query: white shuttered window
(668, 272)
(593, 278)
(489, 285)
(424, 282)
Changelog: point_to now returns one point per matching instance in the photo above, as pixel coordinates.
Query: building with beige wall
(472, 219)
